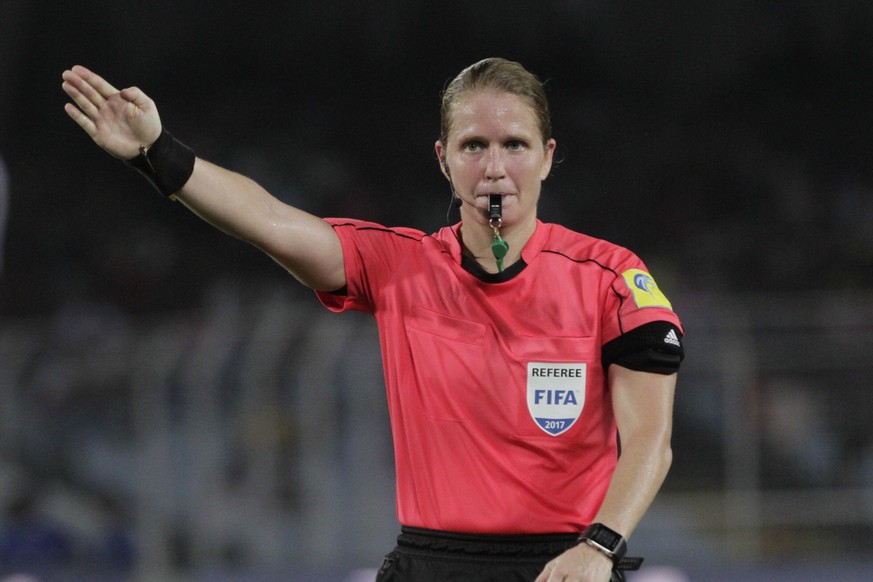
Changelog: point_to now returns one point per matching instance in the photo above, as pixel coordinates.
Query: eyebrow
(507, 137)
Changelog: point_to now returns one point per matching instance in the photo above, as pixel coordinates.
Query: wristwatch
(604, 540)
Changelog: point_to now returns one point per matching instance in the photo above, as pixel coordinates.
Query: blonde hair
(501, 75)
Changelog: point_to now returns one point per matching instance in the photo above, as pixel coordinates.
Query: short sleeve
(370, 254)
(640, 329)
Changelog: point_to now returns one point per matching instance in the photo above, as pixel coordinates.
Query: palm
(118, 121)
(121, 126)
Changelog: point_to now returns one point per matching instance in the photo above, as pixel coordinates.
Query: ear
(440, 149)
(548, 157)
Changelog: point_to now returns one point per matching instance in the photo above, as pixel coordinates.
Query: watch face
(607, 538)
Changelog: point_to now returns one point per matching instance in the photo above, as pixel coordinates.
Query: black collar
(470, 265)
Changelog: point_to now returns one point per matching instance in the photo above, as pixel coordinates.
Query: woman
(515, 352)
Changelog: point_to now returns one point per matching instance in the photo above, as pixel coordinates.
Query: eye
(515, 145)
(473, 146)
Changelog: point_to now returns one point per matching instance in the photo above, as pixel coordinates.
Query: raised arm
(122, 121)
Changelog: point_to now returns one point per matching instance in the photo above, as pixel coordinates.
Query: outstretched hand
(118, 121)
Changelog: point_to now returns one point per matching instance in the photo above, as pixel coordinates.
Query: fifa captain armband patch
(555, 394)
(644, 289)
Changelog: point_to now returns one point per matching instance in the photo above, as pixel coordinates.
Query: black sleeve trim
(653, 347)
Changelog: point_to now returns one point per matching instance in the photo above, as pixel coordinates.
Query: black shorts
(424, 555)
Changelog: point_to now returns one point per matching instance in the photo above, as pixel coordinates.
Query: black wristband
(167, 164)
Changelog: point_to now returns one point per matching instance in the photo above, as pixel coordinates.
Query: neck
(477, 236)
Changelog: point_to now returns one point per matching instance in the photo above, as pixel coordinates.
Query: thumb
(143, 115)
(135, 96)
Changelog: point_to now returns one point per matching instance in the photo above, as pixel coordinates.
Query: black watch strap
(628, 564)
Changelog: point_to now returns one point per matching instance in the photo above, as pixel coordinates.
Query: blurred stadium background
(174, 407)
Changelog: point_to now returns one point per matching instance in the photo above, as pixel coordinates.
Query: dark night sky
(726, 143)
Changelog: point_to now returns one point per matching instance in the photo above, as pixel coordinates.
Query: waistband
(512, 545)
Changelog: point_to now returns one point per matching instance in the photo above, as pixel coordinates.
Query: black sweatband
(167, 164)
(652, 347)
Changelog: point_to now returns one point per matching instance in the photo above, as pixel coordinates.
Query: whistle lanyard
(498, 246)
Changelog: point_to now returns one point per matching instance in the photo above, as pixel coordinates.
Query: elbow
(666, 458)
(652, 451)
(659, 455)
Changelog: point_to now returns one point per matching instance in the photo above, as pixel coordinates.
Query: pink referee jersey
(500, 412)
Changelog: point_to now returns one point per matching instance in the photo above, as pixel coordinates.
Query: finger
(83, 120)
(87, 91)
(84, 103)
(544, 575)
(103, 88)
(556, 575)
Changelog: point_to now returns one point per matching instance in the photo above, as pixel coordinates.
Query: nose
(494, 166)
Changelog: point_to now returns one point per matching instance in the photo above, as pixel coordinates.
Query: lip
(484, 197)
(487, 194)
(483, 204)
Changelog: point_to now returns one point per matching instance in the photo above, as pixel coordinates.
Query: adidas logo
(672, 338)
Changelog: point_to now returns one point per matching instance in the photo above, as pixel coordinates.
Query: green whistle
(499, 247)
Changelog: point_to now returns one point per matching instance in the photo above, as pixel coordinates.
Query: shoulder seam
(569, 258)
(381, 229)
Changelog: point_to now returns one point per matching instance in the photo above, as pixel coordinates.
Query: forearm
(643, 406)
(230, 202)
(639, 474)
(641, 469)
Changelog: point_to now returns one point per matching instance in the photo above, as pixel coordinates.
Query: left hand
(581, 563)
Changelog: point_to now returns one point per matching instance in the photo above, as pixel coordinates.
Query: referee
(530, 370)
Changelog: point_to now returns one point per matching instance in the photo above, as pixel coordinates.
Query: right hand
(118, 121)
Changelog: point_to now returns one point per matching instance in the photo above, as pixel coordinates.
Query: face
(495, 146)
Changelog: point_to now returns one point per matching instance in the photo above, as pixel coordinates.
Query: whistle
(499, 247)
(495, 209)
